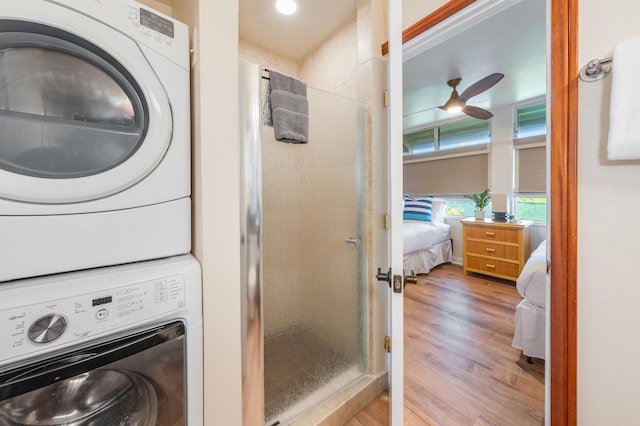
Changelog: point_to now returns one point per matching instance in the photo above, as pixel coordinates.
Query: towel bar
(596, 69)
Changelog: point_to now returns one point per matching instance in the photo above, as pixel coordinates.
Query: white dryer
(94, 136)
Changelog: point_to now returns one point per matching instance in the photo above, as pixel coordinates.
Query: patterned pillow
(417, 208)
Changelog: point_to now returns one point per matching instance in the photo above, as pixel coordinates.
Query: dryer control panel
(31, 328)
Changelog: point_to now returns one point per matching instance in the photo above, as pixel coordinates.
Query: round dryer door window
(77, 122)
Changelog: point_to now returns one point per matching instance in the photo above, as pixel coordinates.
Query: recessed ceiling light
(286, 7)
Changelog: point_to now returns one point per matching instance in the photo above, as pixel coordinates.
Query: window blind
(531, 167)
(458, 175)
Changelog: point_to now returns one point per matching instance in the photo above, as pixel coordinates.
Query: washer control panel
(54, 323)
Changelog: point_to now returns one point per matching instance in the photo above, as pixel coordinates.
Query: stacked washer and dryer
(100, 300)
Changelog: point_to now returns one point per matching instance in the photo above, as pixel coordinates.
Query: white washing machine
(118, 345)
(94, 136)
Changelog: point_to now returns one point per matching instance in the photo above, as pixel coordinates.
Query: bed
(426, 243)
(530, 317)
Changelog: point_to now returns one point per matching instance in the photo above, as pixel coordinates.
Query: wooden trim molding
(450, 8)
(564, 232)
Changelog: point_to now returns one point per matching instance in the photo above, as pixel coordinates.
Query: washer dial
(47, 328)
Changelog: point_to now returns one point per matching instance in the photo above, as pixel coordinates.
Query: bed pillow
(417, 208)
(438, 210)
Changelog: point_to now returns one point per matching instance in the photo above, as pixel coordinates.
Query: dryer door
(81, 118)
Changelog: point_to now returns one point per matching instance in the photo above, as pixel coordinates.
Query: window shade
(531, 169)
(458, 175)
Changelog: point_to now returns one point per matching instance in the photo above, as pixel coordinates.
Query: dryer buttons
(47, 328)
(102, 314)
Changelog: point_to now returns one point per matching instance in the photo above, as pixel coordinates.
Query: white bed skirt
(529, 335)
(422, 261)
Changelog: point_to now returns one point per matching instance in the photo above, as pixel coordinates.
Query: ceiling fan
(459, 102)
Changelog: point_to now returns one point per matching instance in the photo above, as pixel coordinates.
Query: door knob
(411, 278)
(384, 276)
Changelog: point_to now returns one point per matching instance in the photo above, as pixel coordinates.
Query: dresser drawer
(509, 235)
(491, 249)
(493, 266)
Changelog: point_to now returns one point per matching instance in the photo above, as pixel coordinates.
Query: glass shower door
(314, 258)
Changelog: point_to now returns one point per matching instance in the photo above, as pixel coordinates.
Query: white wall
(216, 167)
(501, 158)
(608, 198)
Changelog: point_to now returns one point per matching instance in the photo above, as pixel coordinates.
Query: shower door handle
(352, 240)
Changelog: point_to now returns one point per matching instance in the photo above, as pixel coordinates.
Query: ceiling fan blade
(482, 85)
(476, 112)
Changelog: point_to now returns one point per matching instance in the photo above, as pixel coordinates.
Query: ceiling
(512, 42)
(294, 36)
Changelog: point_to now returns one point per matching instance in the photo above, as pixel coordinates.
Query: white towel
(624, 112)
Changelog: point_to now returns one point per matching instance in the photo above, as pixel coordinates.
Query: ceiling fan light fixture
(286, 7)
(458, 103)
(454, 104)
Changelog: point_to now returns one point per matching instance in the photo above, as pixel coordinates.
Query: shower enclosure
(304, 249)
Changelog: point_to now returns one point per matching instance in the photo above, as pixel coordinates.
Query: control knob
(47, 328)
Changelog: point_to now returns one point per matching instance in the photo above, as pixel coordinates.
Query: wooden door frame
(563, 138)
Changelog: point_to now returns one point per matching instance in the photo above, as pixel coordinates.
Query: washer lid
(108, 397)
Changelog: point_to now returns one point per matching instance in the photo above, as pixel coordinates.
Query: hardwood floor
(460, 367)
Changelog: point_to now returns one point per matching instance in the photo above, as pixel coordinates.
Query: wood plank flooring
(460, 367)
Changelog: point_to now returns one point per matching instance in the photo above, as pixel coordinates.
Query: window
(464, 133)
(464, 207)
(530, 162)
(419, 142)
(457, 205)
(531, 207)
(531, 121)
(458, 134)
(450, 158)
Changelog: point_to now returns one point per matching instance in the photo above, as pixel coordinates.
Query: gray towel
(284, 82)
(289, 108)
(290, 101)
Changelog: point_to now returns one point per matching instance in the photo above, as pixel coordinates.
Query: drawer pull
(490, 266)
(490, 234)
(490, 250)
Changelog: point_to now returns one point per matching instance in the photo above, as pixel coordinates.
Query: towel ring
(596, 69)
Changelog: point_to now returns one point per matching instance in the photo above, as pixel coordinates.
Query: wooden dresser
(492, 248)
